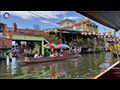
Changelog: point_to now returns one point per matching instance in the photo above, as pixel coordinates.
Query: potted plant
(98, 49)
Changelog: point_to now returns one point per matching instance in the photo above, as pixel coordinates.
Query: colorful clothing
(61, 55)
(1, 35)
(36, 56)
(8, 35)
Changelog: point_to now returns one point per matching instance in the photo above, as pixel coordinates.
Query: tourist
(75, 51)
(56, 53)
(52, 55)
(18, 54)
(36, 55)
(60, 54)
(15, 27)
(64, 54)
(8, 34)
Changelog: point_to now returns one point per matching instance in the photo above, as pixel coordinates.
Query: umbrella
(50, 46)
(62, 46)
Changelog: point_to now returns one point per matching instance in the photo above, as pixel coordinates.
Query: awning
(108, 18)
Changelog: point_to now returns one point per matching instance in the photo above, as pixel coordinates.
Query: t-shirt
(15, 27)
(8, 34)
(17, 53)
(1, 34)
(36, 56)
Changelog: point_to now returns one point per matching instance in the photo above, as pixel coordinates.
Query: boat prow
(113, 72)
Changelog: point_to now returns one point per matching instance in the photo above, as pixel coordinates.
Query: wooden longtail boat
(113, 72)
(48, 59)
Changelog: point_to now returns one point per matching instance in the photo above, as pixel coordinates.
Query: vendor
(36, 55)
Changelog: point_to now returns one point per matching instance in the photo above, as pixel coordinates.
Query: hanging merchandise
(77, 23)
(104, 32)
(99, 33)
(60, 28)
(86, 20)
(94, 33)
(109, 32)
(56, 31)
(89, 33)
(51, 30)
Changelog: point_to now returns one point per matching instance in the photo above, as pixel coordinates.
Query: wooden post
(10, 56)
(4, 56)
(38, 48)
(94, 44)
(105, 44)
(42, 47)
(116, 45)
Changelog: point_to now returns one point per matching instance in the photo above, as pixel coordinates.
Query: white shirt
(1, 34)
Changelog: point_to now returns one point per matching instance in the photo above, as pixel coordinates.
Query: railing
(5, 42)
(39, 34)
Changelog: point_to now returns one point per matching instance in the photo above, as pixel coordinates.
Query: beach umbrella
(50, 46)
(62, 46)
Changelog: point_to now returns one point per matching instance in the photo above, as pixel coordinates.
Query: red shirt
(65, 54)
(15, 27)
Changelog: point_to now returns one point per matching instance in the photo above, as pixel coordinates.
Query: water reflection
(86, 67)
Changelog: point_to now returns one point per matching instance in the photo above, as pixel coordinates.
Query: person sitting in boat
(61, 54)
(56, 53)
(18, 54)
(37, 55)
(64, 54)
(75, 51)
(52, 55)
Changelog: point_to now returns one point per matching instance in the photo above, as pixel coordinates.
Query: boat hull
(48, 59)
(113, 72)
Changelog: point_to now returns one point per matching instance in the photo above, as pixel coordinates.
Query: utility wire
(47, 16)
(41, 16)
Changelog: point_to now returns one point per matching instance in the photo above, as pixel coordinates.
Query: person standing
(8, 34)
(15, 27)
(75, 51)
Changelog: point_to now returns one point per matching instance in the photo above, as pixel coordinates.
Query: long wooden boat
(113, 72)
(48, 59)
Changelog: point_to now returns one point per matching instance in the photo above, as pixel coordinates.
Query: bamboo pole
(116, 44)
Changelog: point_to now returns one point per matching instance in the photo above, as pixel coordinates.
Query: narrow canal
(86, 67)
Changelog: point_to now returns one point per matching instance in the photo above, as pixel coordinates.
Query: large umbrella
(62, 46)
(50, 46)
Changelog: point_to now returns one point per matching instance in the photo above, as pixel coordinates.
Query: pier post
(94, 44)
(4, 57)
(10, 56)
(38, 48)
(42, 47)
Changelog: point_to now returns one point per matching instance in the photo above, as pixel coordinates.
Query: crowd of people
(59, 54)
(56, 54)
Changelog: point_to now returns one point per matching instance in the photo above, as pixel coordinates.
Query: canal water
(86, 67)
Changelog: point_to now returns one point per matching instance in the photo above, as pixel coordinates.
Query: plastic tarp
(108, 18)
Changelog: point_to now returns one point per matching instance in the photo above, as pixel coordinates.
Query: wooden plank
(116, 69)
